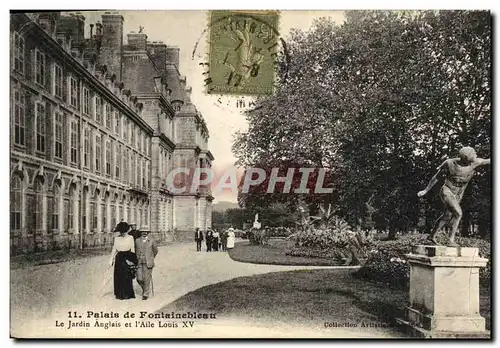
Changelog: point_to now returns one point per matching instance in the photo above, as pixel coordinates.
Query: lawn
(306, 298)
(274, 254)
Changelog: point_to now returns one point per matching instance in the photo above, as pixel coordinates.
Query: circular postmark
(244, 49)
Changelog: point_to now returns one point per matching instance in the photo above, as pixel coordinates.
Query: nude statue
(457, 172)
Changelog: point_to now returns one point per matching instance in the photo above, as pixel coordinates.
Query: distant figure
(146, 251)
(223, 240)
(133, 231)
(457, 172)
(215, 240)
(122, 256)
(198, 238)
(230, 238)
(208, 240)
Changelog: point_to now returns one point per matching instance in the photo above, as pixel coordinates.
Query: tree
(378, 106)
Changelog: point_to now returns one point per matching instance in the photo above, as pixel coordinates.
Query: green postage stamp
(243, 50)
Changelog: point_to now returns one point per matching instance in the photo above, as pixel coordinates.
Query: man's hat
(122, 227)
(145, 229)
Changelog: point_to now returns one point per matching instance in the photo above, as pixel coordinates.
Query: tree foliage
(379, 101)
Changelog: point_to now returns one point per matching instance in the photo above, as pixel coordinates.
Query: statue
(256, 223)
(458, 172)
(141, 28)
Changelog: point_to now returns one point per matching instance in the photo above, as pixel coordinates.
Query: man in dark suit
(133, 231)
(146, 251)
(198, 238)
(208, 240)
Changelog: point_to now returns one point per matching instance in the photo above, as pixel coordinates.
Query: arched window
(114, 212)
(104, 211)
(37, 216)
(85, 203)
(54, 208)
(68, 210)
(15, 204)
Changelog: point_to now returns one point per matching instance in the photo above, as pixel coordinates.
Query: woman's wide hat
(122, 227)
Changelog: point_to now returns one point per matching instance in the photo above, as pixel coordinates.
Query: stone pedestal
(444, 293)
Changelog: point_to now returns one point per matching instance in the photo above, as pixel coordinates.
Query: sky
(185, 29)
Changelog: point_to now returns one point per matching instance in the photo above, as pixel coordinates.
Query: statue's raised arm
(482, 162)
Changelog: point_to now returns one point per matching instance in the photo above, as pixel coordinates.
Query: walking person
(123, 258)
(215, 240)
(146, 250)
(198, 238)
(230, 238)
(208, 240)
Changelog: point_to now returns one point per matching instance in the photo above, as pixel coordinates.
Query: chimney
(173, 56)
(158, 51)
(112, 43)
(137, 41)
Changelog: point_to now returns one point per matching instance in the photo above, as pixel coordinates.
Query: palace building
(96, 126)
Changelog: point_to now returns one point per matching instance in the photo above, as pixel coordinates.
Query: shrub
(386, 261)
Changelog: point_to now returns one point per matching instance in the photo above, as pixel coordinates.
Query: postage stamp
(243, 49)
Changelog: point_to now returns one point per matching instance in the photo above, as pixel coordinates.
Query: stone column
(444, 293)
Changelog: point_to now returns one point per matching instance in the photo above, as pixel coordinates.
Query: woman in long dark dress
(123, 251)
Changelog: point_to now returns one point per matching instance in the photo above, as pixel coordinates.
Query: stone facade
(96, 126)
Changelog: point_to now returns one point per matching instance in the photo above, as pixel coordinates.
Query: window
(125, 165)
(72, 199)
(98, 153)
(19, 126)
(93, 215)
(55, 209)
(132, 137)
(18, 53)
(67, 217)
(73, 100)
(125, 130)
(58, 81)
(40, 127)
(108, 157)
(143, 166)
(117, 122)
(39, 67)
(131, 167)
(58, 135)
(118, 155)
(86, 101)
(139, 135)
(15, 203)
(74, 142)
(86, 148)
(108, 116)
(138, 170)
(103, 217)
(37, 206)
(98, 110)
(148, 183)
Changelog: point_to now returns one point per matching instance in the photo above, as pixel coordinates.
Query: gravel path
(42, 295)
